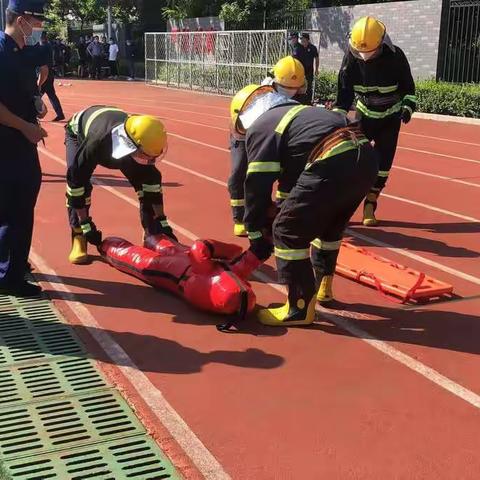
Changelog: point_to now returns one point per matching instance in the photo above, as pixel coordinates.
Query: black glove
(261, 247)
(90, 232)
(160, 226)
(169, 233)
(406, 115)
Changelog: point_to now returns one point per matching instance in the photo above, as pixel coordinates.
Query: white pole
(109, 21)
(2, 8)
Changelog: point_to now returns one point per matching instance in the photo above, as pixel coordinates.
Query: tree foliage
(127, 11)
(87, 12)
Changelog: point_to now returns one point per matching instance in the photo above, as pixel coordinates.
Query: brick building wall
(413, 25)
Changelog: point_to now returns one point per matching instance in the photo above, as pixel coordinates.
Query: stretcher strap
(378, 284)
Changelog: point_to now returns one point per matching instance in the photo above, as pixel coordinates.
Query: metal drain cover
(59, 418)
(136, 458)
(65, 423)
(38, 381)
(48, 343)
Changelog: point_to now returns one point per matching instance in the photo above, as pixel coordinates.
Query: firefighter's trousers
(384, 132)
(317, 212)
(236, 181)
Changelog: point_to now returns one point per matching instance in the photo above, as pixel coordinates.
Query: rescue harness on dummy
(210, 275)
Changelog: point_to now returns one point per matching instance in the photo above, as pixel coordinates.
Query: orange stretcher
(388, 277)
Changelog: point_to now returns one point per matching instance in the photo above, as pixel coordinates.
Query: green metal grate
(48, 343)
(59, 418)
(26, 317)
(21, 384)
(65, 423)
(136, 458)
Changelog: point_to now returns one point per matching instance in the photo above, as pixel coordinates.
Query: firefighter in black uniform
(317, 202)
(287, 77)
(109, 137)
(379, 74)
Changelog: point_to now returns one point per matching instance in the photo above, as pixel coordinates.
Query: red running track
(374, 390)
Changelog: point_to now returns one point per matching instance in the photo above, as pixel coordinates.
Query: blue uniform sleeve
(36, 56)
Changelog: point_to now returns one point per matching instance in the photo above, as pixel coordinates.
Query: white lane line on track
(372, 241)
(163, 117)
(155, 102)
(153, 397)
(440, 139)
(226, 129)
(444, 155)
(340, 319)
(440, 177)
(186, 438)
(432, 208)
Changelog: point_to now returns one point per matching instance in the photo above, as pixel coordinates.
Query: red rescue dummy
(201, 273)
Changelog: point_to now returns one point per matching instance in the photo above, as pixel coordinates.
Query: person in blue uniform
(48, 86)
(20, 173)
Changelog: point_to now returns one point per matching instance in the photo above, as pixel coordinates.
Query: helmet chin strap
(287, 92)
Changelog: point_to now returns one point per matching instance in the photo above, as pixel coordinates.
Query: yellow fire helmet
(240, 102)
(289, 73)
(148, 133)
(367, 34)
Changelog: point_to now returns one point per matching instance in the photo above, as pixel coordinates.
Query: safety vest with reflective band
(341, 141)
(278, 146)
(383, 85)
(93, 129)
(96, 121)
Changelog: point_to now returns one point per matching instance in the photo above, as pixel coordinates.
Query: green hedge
(433, 97)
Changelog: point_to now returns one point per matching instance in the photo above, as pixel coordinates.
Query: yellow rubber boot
(325, 292)
(239, 230)
(289, 316)
(78, 254)
(369, 219)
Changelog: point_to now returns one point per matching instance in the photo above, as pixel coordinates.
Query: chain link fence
(217, 62)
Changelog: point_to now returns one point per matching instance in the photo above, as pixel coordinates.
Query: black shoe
(59, 118)
(24, 289)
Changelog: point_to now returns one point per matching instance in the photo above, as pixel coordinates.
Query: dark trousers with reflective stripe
(20, 181)
(236, 181)
(384, 132)
(307, 97)
(145, 179)
(320, 206)
(49, 88)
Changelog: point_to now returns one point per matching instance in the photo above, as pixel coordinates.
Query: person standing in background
(82, 57)
(95, 50)
(48, 86)
(131, 53)
(307, 54)
(294, 44)
(88, 58)
(112, 59)
(58, 57)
